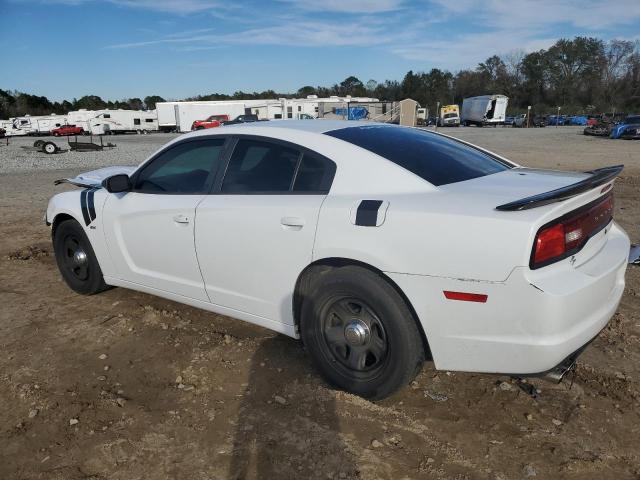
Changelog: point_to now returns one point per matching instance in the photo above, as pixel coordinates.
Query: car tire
(360, 333)
(76, 259)
(38, 143)
(49, 148)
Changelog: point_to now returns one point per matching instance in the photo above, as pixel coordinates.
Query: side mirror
(117, 183)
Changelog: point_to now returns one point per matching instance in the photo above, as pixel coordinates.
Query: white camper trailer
(81, 118)
(123, 121)
(38, 125)
(10, 130)
(484, 110)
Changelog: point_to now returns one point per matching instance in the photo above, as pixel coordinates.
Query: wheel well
(61, 217)
(325, 264)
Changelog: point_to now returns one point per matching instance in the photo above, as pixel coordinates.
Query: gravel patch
(129, 150)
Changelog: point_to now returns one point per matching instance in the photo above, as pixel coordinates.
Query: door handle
(181, 219)
(292, 223)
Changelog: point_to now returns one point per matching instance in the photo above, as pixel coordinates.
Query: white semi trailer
(179, 116)
(484, 110)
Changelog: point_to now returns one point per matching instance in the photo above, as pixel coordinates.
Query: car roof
(311, 126)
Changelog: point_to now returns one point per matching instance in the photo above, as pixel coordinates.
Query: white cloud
(347, 6)
(529, 15)
(466, 51)
(299, 34)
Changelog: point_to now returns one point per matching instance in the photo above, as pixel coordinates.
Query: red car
(66, 130)
(212, 122)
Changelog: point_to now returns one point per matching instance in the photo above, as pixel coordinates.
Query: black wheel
(76, 259)
(360, 333)
(38, 143)
(49, 148)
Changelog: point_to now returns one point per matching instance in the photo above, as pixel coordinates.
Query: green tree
(306, 91)
(89, 102)
(151, 100)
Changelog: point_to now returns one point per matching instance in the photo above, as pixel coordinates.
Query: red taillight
(549, 243)
(568, 234)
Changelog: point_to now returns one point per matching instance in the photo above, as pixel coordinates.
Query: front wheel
(360, 333)
(76, 259)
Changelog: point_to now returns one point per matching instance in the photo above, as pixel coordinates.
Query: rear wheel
(76, 259)
(360, 333)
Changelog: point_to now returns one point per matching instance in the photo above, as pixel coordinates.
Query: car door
(256, 233)
(150, 230)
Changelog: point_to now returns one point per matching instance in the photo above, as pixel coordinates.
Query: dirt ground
(123, 385)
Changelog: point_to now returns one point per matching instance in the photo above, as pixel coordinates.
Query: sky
(179, 48)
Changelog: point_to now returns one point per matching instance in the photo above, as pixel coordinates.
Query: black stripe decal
(92, 206)
(83, 206)
(367, 213)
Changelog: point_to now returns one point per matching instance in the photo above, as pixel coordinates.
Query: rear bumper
(531, 322)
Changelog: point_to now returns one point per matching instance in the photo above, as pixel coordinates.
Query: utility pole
(558, 117)
(437, 114)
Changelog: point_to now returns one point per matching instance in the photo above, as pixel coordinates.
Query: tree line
(582, 75)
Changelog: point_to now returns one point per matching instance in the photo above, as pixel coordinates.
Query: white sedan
(377, 245)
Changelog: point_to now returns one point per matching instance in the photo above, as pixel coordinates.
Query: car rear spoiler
(598, 177)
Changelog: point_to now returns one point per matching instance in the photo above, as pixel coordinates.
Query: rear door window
(258, 166)
(315, 174)
(437, 159)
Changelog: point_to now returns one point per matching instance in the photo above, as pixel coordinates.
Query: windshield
(435, 158)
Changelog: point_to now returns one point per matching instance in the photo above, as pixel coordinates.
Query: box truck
(484, 110)
(449, 116)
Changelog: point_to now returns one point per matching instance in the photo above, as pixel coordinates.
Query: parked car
(509, 120)
(535, 121)
(211, 122)
(242, 119)
(377, 245)
(67, 130)
(629, 129)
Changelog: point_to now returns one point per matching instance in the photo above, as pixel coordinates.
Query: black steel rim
(75, 258)
(354, 335)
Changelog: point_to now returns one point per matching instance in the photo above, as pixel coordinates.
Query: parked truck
(484, 110)
(449, 116)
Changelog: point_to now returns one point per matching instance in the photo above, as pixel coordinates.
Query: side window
(315, 174)
(258, 166)
(187, 168)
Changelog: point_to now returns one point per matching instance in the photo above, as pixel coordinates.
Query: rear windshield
(439, 160)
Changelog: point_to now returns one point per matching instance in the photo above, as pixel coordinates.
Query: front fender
(85, 207)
